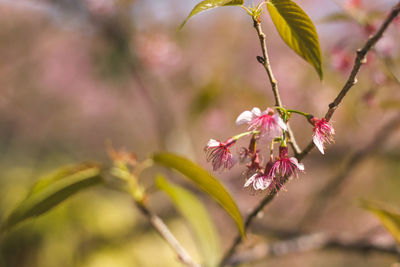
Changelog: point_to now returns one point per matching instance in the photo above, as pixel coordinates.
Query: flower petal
(318, 143)
(256, 111)
(213, 143)
(280, 122)
(299, 165)
(250, 180)
(244, 117)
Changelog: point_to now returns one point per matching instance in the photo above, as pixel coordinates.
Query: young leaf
(52, 190)
(297, 30)
(389, 218)
(197, 216)
(204, 181)
(208, 4)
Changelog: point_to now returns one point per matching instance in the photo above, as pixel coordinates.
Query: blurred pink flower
(267, 122)
(323, 133)
(158, 51)
(285, 166)
(387, 46)
(219, 154)
(341, 60)
(353, 4)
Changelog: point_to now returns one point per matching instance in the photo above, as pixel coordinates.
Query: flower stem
(299, 112)
(237, 137)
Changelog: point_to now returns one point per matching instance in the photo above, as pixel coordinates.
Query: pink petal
(256, 111)
(213, 143)
(280, 122)
(244, 117)
(250, 180)
(318, 143)
(299, 165)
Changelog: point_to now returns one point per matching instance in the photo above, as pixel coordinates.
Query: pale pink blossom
(268, 122)
(284, 166)
(219, 154)
(261, 179)
(323, 133)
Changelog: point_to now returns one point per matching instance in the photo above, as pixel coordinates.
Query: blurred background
(75, 74)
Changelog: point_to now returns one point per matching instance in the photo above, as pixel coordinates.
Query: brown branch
(334, 185)
(264, 60)
(166, 234)
(308, 242)
(360, 59)
(358, 62)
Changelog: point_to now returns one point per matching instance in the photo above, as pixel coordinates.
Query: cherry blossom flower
(323, 133)
(261, 180)
(268, 122)
(284, 166)
(219, 154)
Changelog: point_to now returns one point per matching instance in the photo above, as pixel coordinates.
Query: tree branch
(166, 234)
(309, 242)
(264, 60)
(358, 62)
(360, 59)
(334, 185)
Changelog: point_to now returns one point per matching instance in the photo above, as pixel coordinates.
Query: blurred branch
(264, 60)
(358, 62)
(334, 185)
(309, 242)
(360, 59)
(165, 233)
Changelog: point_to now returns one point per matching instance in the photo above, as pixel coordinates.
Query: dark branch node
(261, 60)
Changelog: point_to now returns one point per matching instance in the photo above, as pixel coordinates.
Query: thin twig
(334, 185)
(360, 59)
(308, 242)
(166, 234)
(264, 60)
(358, 62)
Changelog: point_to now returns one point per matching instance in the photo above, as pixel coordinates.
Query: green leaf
(53, 189)
(389, 218)
(337, 17)
(297, 30)
(208, 4)
(204, 181)
(197, 216)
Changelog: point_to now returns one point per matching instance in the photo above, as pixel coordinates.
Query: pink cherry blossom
(261, 179)
(284, 166)
(268, 122)
(323, 133)
(219, 154)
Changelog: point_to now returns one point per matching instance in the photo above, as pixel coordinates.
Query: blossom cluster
(271, 126)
